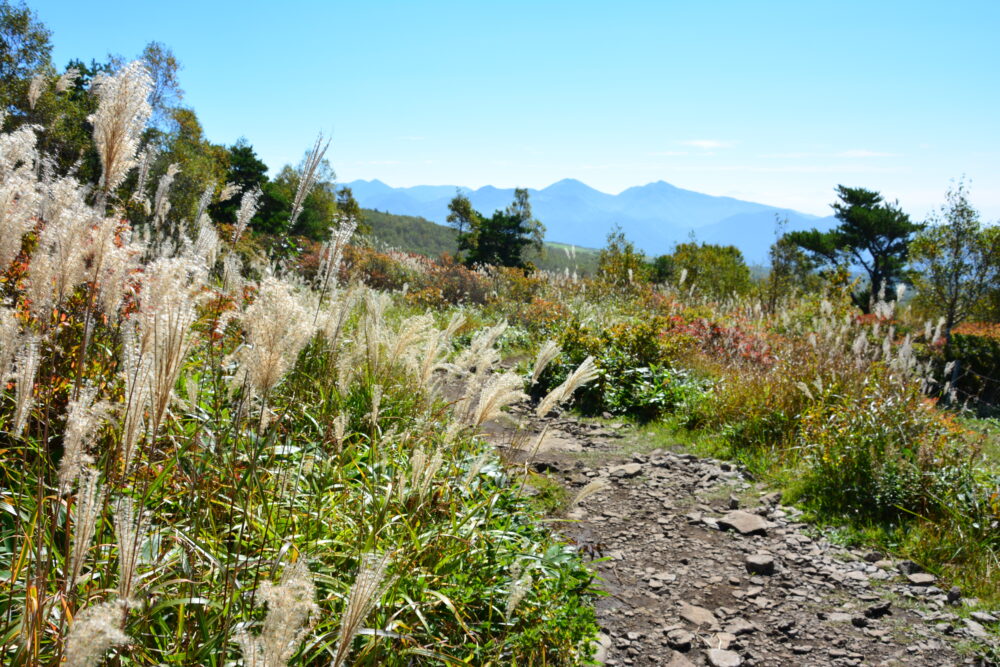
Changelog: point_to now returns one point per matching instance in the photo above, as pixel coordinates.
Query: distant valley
(654, 216)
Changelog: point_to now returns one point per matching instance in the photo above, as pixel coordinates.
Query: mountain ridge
(655, 216)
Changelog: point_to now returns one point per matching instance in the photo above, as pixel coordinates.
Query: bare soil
(685, 587)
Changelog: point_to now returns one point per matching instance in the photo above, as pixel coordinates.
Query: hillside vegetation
(235, 431)
(417, 235)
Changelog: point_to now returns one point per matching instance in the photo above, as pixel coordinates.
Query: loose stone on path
(744, 523)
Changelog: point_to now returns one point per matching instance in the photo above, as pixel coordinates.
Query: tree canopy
(957, 260)
(619, 263)
(873, 234)
(716, 270)
(500, 239)
(25, 50)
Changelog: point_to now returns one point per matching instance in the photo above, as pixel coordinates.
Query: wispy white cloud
(798, 169)
(855, 153)
(860, 153)
(788, 156)
(707, 144)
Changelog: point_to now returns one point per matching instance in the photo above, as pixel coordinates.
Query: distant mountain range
(654, 216)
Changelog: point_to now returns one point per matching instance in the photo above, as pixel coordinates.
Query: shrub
(635, 364)
(876, 453)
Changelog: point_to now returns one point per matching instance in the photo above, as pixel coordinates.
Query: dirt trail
(702, 569)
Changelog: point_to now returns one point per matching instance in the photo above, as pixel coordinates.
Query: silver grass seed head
(291, 611)
(248, 208)
(10, 337)
(122, 112)
(205, 199)
(36, 88)
(277, 328)
(88, 509)
(161, 202)
(207, 242)
(131, 530)
(546, 354)
(518, 589)
(146, 157)
(591, 489)
(499, 391)
(68, 78)
(95, 630)
(26, 362)
(367, 588)
(229, 190)
(83, 421)
(587, 372)
(308, 178)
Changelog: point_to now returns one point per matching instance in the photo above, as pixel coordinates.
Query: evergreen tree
(872, 233)
(502, 238)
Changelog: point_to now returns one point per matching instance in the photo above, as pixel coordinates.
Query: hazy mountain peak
(655, 216)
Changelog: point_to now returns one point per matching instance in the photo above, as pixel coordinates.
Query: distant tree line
(952, 260)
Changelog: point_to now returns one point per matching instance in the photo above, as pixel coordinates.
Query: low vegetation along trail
(700, 567)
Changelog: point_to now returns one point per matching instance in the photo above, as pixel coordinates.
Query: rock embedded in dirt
(762, 564)
(718, 657)
(697, 616)
(974, 629)
(626, 471)
(921, 578)
(909, 567)
(678, 660)
(772, 498)
(878, 610)
(681, 640)
(744, 523)
(740, 626)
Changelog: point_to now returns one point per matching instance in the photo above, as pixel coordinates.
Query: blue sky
(775, 102)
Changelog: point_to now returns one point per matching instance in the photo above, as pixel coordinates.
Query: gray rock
(975, 629)
(921, 578)
(838, 617)
(603, 643)
(772, 498)
(909, 567)
(762, 564)
(680, 640)
(697, 616)
(740, 626)
(744, 523)
(878, 610)
(678, 660)
(720, 658)
(626, 471)
(984, 617)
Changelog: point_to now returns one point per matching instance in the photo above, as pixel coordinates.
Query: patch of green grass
(989, 430)
(549, 496)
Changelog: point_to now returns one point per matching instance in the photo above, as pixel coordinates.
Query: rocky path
(703, 569)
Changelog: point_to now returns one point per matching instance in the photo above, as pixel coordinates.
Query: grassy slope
(419, 235)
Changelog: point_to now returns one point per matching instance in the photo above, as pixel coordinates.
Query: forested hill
(419, 235)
